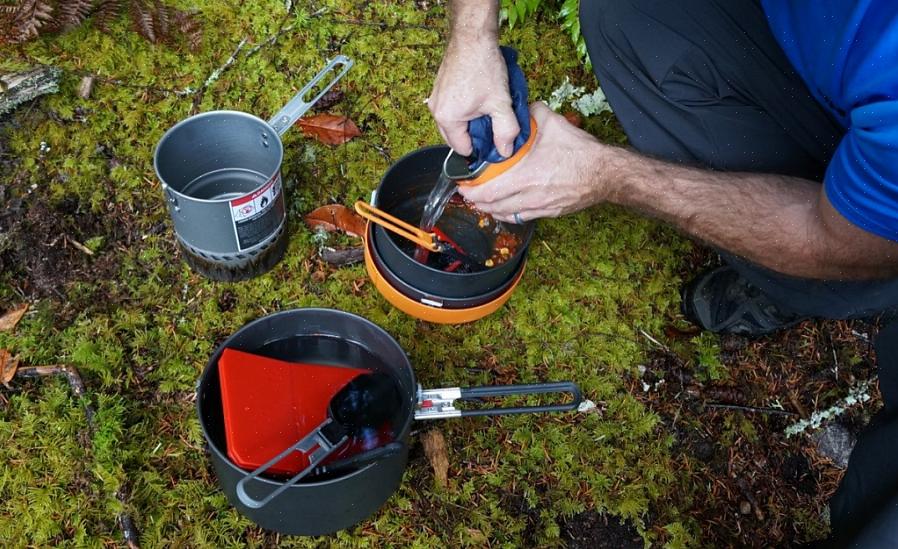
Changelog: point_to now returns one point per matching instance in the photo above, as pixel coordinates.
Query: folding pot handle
(394, 224)
(439, 403)
(318, 444)
(360, 460)
(296, 107)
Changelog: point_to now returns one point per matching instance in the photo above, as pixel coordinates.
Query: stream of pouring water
(436, 203)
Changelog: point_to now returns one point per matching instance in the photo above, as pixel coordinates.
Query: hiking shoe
(723, 302)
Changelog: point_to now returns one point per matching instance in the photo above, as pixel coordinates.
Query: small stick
(71, 375)
(129, 530)
(653, 340)
(836, 362)
(86, 86)
(772, 411)
(341, 257)
(79, 246)
(214, 75)
(268, 41)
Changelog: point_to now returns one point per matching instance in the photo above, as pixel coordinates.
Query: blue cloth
(847, 53)
(481, 129)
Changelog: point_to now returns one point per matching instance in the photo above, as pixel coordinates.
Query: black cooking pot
(402, 193)
(435, 300)
(314, 507)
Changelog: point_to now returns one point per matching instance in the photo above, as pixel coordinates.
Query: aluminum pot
(321, 507)
(402, 192)
(221, 178)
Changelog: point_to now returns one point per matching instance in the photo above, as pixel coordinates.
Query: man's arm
(783, 223)
(472, 80)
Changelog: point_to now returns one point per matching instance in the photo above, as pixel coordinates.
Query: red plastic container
(270, 404)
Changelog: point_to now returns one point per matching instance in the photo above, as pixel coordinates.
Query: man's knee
(593, 16)
(602, 23)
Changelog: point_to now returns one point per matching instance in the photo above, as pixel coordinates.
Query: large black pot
(313, 508)
(336, 337)
(402, 193)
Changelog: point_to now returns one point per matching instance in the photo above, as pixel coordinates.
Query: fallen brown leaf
(331, 129)
(319, 272)
(358, 284)
(435, 450)
(12, 317)
(574, 118)
(8, 366)
(672, 332)
(336, 217)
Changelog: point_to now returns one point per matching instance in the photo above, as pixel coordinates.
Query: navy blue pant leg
(704, 82)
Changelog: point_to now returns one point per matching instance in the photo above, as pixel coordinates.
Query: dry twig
(71, 375)
(129, 530)
(755, 409)
(340, 257)
(79, 246)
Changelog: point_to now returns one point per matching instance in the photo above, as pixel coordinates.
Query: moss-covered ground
(599, 299)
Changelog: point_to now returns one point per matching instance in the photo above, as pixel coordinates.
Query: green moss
(708, 357)
(142, 337)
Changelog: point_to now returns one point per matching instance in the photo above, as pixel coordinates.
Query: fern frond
(142, 18)
(161, 19)
(72, 13)
(187, 25)
(106, 13)
(29, 19)
(152, 19)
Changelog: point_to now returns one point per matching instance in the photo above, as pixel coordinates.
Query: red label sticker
(258, 214)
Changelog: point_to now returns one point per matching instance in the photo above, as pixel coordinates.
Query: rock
(24, 86)
(835, 443)
(745, 507)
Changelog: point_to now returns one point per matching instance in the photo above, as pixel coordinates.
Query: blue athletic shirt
(847, 53)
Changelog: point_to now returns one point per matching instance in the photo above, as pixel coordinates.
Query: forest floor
(685, 446)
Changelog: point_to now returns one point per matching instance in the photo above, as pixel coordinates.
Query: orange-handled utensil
(391, 223)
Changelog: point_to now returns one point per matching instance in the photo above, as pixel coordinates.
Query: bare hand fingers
(499, 188)
(505, 130)
(456, 135)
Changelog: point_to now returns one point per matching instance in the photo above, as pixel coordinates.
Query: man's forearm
(474, 20)
(771, 220)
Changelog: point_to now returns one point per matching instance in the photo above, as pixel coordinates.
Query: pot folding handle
(298, 106)
(440, 403)
(394, 224)
(360, 460)
(317, 445)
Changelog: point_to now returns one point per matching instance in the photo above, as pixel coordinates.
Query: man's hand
(783, 223)
(556, 177)
(472, 80)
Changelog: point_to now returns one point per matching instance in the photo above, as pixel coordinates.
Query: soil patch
(729, 433)
(590, 530)
(40, 247)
